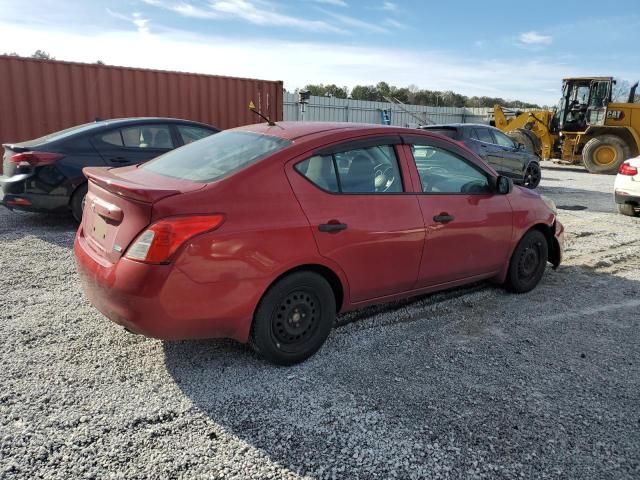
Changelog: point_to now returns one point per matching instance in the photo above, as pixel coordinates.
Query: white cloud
(353, 22)
(296, 63)
(256, 12)
(535, 38)
(136, 18)
(337, 3)
(394, 23)
(389, 6)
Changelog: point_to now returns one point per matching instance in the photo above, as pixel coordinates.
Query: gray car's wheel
(294, 318)
(528, 262)
(532, 175)
(627, 209)
(77, 202)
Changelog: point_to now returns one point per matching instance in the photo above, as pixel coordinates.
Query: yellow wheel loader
(587, 126)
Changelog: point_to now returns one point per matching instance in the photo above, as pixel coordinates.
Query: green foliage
(415, 96)
(331, 90)
(40, 54)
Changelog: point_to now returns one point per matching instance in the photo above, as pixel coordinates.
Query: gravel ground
(471, 383)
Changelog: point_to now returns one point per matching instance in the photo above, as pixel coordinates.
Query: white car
(626, 189)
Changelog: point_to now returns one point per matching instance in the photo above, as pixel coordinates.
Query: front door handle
(443, 218)
(332, 227)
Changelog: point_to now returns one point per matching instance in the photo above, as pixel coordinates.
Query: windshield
(215, 157)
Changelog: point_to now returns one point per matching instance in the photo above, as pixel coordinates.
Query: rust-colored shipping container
(41, 96)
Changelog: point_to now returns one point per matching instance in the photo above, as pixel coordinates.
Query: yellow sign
(251, 106)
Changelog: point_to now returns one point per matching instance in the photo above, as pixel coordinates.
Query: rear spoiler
(103, 177)
(16, 148)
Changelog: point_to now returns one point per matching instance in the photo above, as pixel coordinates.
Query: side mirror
(521, 146)
(504, 185)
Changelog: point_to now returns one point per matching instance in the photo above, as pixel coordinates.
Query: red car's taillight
(161, 240)
(627, 169)
(35, 158)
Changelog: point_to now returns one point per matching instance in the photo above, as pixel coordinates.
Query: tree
(335, 91)
(42, 55)
(415, 96)
(364, 92)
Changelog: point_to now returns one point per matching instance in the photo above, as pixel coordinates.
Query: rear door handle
(119, 160)
(443, 218)
(332, 227)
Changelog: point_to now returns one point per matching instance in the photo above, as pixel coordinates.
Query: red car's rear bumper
(161, 301)
(558, 250)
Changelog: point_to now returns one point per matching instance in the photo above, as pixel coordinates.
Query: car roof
(98, 125)
(134, 120)
(298, 130)
(455, 125)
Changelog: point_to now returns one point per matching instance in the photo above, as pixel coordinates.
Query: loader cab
(584, 102)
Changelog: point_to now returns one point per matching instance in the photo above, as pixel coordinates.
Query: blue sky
(514, 50)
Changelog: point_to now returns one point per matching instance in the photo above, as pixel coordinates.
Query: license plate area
(99, 229)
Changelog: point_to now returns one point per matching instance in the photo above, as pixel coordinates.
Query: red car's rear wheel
(294, 318)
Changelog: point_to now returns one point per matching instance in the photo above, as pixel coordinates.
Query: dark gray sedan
(497, 149)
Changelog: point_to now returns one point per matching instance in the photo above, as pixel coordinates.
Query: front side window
(363, 170)
(216, 156)
(442, 171)
(503, 140)
(147, 136)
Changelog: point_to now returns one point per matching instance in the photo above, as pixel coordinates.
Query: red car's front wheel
(528, 262)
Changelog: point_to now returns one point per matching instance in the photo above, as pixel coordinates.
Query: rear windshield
(447, 132)
(216, 156)
(52, 137)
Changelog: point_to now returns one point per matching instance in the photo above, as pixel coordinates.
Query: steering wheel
(473, 186)
(384, 177)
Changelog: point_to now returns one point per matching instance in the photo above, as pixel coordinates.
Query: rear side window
(363, 170)
(190, 134)
(112, 138)
(484, 135)
(147, 136)
(216, 156)
(447, 132)
(320, 170)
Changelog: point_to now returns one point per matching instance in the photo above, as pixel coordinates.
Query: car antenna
(270, 122)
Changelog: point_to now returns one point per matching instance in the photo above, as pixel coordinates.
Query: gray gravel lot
(471, 383)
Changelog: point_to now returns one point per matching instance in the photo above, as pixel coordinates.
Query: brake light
(627, 169)
(35, 159)
(160, 241)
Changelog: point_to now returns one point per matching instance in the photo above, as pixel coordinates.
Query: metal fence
(330, 109)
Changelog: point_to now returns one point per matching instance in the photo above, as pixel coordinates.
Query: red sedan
(263, 233)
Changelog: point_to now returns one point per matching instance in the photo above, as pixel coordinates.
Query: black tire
(532, 175)
(528, 262)
(77, 202)
(293, 319)
(591, 154)
(627, 209)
